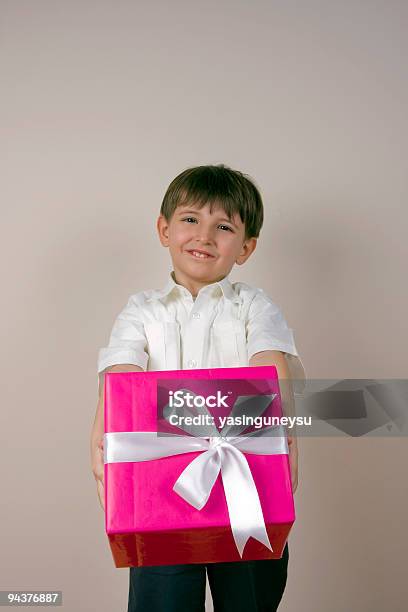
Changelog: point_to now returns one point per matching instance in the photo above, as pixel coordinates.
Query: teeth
(197, 254)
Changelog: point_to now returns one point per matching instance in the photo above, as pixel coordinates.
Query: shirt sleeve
(267, 330)
(127, 342)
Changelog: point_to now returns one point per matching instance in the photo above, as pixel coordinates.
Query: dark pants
(244, 586)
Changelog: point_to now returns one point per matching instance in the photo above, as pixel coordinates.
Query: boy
(210, 219)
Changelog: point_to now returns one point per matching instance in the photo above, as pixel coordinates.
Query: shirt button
(196, 315)
(192, 363)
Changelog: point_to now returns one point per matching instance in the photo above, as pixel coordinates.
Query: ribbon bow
(222, 452)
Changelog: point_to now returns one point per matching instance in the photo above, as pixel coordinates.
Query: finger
(101, 494)
(98, 469)
(98, 473)
(101, 478)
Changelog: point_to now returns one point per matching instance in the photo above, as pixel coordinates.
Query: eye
(226, 226)
(187, 218)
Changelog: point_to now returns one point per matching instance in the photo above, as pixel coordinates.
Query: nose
(204, 234)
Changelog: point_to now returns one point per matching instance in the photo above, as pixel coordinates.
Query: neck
(193, 286)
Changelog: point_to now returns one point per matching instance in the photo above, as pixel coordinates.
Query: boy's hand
(98, 472)
(293, 462)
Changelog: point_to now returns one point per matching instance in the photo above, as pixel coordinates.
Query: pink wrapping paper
(148, 523)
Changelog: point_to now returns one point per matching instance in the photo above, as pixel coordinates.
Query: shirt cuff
(272, 346)
(110, 357)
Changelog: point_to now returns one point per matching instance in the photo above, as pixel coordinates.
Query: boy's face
(191, 229)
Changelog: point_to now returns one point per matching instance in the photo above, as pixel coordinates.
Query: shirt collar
(171, 285)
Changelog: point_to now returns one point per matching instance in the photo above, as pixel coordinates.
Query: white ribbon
(222, 453)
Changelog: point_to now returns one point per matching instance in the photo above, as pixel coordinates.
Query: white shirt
(223, 326)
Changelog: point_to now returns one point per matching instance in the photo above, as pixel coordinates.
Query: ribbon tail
(245, 509)
(196, 481)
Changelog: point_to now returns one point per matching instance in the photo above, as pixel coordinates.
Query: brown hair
(232, 190)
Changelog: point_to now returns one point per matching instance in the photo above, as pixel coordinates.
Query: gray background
(102, 104)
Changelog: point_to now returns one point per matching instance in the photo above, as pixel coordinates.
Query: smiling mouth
(198, 255)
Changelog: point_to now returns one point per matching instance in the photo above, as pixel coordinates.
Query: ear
(163, 230)
(247, 249)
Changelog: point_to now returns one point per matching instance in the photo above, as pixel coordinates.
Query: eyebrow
(197, 212)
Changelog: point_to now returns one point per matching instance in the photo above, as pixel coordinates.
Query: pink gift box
(146, 521)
